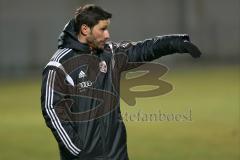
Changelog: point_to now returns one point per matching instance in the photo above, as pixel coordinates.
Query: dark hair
(90, 14)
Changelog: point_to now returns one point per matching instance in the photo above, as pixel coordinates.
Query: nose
(106, 34)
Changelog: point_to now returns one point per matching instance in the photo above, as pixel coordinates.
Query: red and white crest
(103, 67)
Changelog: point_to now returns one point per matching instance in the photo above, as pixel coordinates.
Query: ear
(85, 30)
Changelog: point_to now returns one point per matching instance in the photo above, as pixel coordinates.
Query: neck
(82, 39)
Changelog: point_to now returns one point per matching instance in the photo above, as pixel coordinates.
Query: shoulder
(58, 58)
(119, 45)
(62, 55)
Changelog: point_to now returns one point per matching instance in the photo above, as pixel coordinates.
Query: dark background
(208, 86)
(29, 28)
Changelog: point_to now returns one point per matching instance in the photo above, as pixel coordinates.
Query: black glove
(190, 48)
(175, 43)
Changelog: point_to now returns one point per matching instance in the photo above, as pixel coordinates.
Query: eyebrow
(104, 27)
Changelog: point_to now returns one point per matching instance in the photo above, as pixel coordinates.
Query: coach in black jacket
(80, 87)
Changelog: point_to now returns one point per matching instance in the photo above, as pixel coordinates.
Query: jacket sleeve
(151, 49)
(63, 131)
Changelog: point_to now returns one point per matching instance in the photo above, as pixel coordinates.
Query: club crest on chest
(103, 67)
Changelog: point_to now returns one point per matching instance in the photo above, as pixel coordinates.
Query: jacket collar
(68, 38)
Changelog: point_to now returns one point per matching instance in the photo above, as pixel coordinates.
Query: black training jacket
(80, 93)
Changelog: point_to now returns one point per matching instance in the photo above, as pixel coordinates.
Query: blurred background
(209, 86)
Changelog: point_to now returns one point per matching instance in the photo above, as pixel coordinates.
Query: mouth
(102, 43)
(105, 40)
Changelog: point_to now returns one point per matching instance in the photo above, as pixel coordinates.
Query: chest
(91, 70)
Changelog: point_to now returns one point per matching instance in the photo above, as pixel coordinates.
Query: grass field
(212, 94)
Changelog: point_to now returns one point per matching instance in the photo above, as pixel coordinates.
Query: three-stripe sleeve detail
(53, 116)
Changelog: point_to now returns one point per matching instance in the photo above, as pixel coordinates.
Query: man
(80, 87)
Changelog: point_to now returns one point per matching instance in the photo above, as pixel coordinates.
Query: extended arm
(154, 48)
